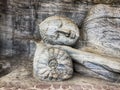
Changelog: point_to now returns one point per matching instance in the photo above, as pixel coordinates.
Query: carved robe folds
(102, 33)
(102, 30)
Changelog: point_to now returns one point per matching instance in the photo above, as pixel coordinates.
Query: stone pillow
(52, 64)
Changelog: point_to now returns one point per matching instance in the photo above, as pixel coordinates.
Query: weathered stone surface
(19, 21)
(21, 78)
(93, 61)
(51, 64)
(4, 68)
(104, 23)
(59, 30)
(103, 1)
(102, 30)
(96, 71)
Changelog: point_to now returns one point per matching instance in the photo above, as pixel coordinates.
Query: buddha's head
(59, 30)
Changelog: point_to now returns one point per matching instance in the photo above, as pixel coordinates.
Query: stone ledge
(76, 83)
(20, 78)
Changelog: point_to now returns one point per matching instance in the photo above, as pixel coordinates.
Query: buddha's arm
(94, 70)
(84, 58)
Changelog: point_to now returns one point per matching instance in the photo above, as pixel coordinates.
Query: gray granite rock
(102, 30)
(4, 68)
(95, 70)
(100, 55)
(101, 34)
(51, 64)
(19, 21)
(18, 24)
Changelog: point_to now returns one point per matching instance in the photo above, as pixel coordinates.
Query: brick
(65, 86)
(87, 86)
(105, 87)
(98, 87)
(56, 86)
(43, 86)
(8, 89)
(77, 87)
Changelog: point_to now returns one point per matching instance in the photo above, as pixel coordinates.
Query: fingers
(72, 34)
(53, 52)
(60, 49)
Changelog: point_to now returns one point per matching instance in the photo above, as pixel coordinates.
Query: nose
(65, 32)
(68, 33)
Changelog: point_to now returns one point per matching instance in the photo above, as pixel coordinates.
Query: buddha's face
(59, 30)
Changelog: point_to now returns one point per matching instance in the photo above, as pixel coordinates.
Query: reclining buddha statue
(99, 55)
